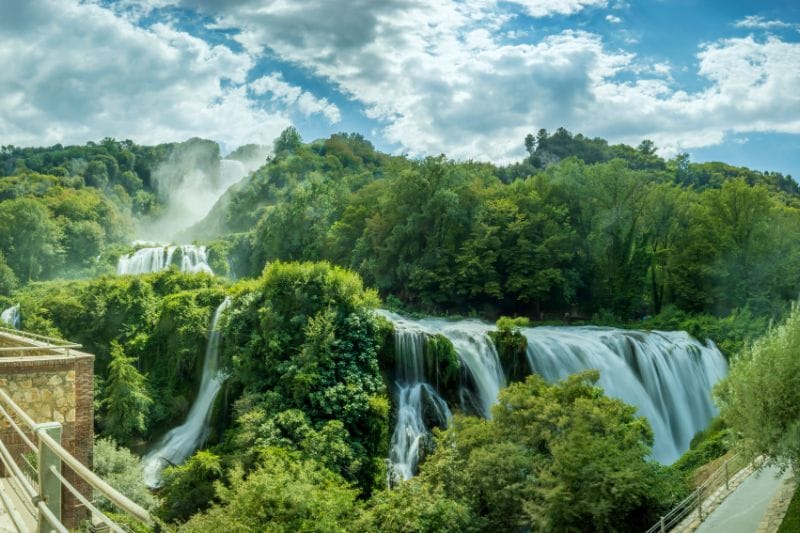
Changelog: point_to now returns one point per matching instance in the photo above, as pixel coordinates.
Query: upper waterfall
(157, 258)
(668, 376)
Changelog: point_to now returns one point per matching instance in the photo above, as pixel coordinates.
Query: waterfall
(668, 376)
(414, 398)
(418, 400)
(180, 442)
(11, 316)
(158, 258)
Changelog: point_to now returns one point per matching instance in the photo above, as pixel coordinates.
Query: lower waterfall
(180, 442)
(668, 376)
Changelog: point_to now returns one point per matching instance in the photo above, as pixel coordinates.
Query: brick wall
(54, 387)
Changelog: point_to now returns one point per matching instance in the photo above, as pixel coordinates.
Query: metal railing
(38, 342)
(698, 500)
(44, 494)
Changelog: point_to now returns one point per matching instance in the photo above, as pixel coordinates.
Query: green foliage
(791, 522)
(161, 319)
(285, 493)
(554, 457)
(127, 401)
(29, 238)
(189, 488)
(713, 442)
(304, 340)
(122, 470)
(512, 346)
(579, 226)
(760, 397)
(8, 280)
(731, 333)
(442, 365)
(413, 507)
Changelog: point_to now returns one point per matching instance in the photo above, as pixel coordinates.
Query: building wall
(51, 387)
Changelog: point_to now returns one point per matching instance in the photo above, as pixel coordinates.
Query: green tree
(284, 493)
(558, 457)
(760, 397)
(127, 401)
(122, 470)
(189, 488)
(29, 238)
(412, 507)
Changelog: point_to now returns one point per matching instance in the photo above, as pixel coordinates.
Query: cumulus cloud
(613, 19)
(291, 95)
(441, 77)
(444, 76)
(546, 8)
(760, 23)
(76, 71)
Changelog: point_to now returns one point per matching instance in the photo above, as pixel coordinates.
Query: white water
(668, 376)
(158, 258)
(11, 316)
(418, 400)
(180, 442)
(414, 399)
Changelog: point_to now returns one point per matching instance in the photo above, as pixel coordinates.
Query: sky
(718, 79)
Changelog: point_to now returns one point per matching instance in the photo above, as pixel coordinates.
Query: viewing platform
(47, 437)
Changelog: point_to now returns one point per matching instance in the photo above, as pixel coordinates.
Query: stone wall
(49, 387)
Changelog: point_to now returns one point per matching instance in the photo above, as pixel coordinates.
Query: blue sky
(469, 78)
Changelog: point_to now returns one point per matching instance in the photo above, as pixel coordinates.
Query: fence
(38, 343)
(702, 497)
(40, 488)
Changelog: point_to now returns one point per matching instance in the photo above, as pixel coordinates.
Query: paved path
(742, 511)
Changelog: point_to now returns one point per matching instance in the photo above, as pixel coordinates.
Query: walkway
(742, 511)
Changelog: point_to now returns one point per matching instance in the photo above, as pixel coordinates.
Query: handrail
(9, 463)
(41, 348)
(696, 498)
(113, 495)
(35, 336)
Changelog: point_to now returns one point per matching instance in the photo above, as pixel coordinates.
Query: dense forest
(308, 245)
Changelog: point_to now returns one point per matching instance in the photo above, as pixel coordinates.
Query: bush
(760, 398)
(122, 470)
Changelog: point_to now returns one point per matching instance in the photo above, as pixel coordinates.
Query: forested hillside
(579, 227)
(312, 242)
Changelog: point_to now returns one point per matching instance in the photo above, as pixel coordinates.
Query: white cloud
(757, 22)
(435, 76)
(546, 8)
(75, 72)
(613, 19)
(291, 95)
(440, 78)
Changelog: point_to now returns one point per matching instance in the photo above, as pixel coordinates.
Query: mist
(191, 180)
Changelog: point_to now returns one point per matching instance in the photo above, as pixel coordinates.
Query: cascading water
(413, 396)
(666, 375)
(11, 316)
(418, 400)
(158, 258)
(182, 441)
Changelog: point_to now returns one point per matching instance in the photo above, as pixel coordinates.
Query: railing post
(49, 484)
(727, 487)
(663, 527)
(700, 504)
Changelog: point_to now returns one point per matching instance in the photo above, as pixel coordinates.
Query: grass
(791, 522)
